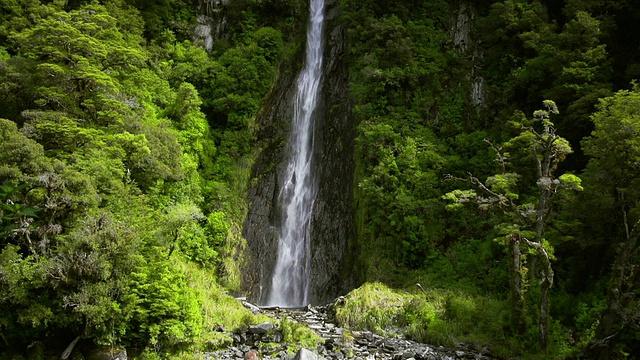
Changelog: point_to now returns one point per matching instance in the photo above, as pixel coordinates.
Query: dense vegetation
(501, 205)
(125, 151)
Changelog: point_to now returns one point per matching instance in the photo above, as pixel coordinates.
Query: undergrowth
(298, 335)
(219, 309)
(445, 317)
(372, 307)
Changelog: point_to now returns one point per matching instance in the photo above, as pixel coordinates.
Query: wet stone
(261, 328)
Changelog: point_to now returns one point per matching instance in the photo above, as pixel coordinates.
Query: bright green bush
(298, 335)
(436, 316)
(372, 307)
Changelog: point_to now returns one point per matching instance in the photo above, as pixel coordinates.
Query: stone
(252, 355)
(363, 345)
(254, 309)
(368, 335)
(329, 344)
(107, 353)
(275, 336)
(261, 328)
(306, 354)
(408, 355)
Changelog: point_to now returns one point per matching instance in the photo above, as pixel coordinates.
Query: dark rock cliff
(334, 132)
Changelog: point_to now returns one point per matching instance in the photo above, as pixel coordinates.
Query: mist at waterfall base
(291, 277)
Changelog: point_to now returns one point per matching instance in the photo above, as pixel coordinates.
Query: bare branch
(500, 158)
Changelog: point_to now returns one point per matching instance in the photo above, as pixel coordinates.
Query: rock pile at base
(339, 343)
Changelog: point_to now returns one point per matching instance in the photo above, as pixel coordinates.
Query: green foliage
(105, 207)
(474, 266)
(504, 183)
(298, 335)
(167, 311)
(76, 52)
(425, 324)
(613, 145)
(125, 160)
(398, 192)
(549, 59)
(13, 214)
(176, 15)
(434, 316)
(526, 221)
(611, 182)
(22, 157)
(372, 307)
(611, 177)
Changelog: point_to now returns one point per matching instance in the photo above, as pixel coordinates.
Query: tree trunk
(545, 284)
(516, 282)
(613, 318)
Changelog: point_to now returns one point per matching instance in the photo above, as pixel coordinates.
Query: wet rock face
(463, 18)
(333, 223)
(334, 133)
(211, 22)
(261, 226)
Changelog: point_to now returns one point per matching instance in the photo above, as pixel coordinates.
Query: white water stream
(290, 283)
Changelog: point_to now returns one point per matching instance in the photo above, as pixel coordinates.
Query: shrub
(372, 307)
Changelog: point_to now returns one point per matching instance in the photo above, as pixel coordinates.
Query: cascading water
(290, 283)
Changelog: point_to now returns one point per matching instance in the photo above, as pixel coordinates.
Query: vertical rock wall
(333, 216)
(212, 22)
(332, 223)
(462, 22)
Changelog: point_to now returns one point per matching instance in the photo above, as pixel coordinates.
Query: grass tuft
(435, 316)
(298, 335)
(372, 307)
(219, 309)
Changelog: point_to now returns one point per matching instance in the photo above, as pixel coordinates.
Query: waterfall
(290, 282)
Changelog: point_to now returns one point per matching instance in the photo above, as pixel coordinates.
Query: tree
(398, 197)
(526, 219)
(613, 176)
(80, 54)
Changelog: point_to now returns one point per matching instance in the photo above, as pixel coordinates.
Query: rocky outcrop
(262, 223)
(333, 217)
(462, 22)
(211, 22)
(332, 222)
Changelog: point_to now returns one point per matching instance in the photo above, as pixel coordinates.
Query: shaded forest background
(126, 151)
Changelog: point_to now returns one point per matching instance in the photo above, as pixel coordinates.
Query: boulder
(252, 355)
(261, 328)
(306, 354)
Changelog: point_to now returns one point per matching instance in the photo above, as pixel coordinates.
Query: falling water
(290, 283)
